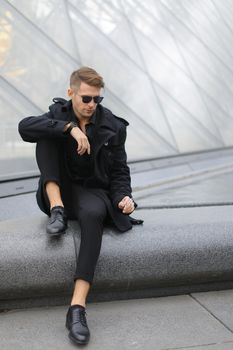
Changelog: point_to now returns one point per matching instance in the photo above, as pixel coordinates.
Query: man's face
(83, 110)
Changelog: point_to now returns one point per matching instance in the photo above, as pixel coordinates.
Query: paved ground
(201, 321)
(206, 190)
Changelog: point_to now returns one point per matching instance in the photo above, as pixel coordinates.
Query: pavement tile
(220, 304)
(145, 324)
(222, 346)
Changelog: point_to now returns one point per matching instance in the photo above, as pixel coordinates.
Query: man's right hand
(82, 140)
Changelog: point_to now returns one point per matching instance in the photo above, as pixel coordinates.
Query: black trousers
(79, 202)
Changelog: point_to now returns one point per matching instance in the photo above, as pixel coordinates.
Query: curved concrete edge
(31, 263)
(173, 250)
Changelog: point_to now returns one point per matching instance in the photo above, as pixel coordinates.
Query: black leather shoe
(76, 323)
(57, 222)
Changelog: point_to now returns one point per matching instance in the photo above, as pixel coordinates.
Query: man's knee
(46, 145)
(48, 160)
(93, 214)
(47, 152)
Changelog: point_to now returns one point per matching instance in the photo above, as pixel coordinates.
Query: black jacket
(108, 145)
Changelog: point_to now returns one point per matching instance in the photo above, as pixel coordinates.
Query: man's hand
(82, 140)
(126, 205)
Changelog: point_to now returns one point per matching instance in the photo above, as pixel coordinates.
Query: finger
(79, 147)
(120, 205)
(82, 146)
(80, 150)
(124, 200)
(129, 207)
(80, 153)
(88, 148)
(128, 210)
(128, 202)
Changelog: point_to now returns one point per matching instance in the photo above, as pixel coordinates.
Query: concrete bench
(174, 251)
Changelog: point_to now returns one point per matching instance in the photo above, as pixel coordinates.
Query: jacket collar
(67, 106)
(102, 116)
(75, 119)
(105, 118)
(105, 124)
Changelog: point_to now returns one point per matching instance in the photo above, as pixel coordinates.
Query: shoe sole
(79, 342)
(56, 234)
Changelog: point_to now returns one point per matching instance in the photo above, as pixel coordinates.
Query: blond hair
(86, 75)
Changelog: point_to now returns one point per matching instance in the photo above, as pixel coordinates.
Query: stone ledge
(175, 248)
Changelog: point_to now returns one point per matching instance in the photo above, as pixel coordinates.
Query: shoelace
(80, 316)
(54, 215)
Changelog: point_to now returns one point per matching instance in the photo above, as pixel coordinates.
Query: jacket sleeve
(33, 129)
(120, 181)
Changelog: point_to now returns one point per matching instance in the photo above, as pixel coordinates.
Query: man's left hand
(126, 205)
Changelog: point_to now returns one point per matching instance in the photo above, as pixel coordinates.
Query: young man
(84, 176)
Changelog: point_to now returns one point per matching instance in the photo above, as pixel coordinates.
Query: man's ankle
(77, 302)
(56, 205)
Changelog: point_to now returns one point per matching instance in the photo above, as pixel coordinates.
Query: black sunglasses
(88, 99)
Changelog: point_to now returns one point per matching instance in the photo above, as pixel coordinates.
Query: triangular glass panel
(189, 133)
(52, 18)
(143, 142)
(212, 83)
(33, 69)
(222, 120)
(112, 23)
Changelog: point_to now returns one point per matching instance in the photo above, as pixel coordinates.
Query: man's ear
(70, 92)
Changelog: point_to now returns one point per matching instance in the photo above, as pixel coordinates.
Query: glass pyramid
(167, 66)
